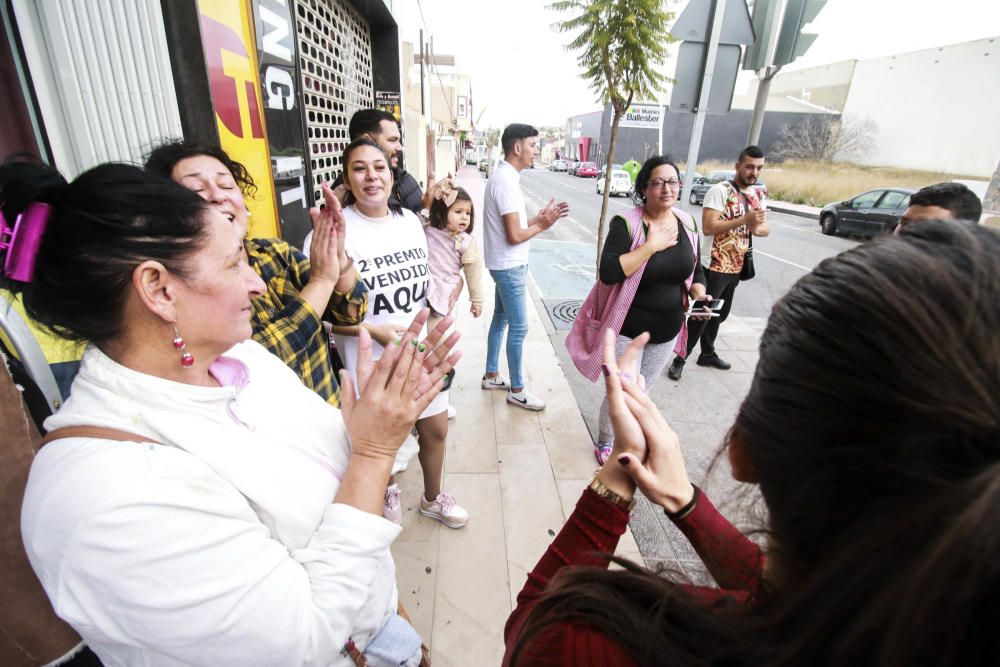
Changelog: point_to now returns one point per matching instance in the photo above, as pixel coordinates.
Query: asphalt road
(563, 257)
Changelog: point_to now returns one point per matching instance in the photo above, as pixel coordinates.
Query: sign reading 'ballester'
(642, 115)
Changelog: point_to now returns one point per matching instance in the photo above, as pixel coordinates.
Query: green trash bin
(632, 168)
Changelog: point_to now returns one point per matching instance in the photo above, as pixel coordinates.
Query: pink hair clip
(21, 242)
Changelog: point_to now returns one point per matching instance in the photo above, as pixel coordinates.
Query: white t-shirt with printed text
(390, 254)
(386, 251)
(503, 196)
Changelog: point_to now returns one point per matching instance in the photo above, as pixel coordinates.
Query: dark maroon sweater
(595, 527)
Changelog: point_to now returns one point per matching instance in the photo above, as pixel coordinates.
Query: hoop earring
(187, 361)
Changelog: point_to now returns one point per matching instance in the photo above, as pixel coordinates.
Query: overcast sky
(521, 71)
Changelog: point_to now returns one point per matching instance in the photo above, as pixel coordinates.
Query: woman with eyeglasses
(655, 245)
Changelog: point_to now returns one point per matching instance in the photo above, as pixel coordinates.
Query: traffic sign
(765, 22)
(792, 42)
(689, 76)
(695, 21)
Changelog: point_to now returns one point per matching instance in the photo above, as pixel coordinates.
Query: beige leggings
(651, 364)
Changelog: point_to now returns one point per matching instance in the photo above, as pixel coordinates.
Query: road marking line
(783, 261)
(574, 187)
(794, 228)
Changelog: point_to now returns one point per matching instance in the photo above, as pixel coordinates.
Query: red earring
(187, 361)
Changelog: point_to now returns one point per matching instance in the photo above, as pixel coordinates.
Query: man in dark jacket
(382, 128)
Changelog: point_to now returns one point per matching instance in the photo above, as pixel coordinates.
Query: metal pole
(706, 87)
(659, 138)
(759, 106)
(423, 106)
(764, 82)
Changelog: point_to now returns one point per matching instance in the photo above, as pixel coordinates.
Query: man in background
(941, 201)
(382, 128)
(506, 236)
(732, 212)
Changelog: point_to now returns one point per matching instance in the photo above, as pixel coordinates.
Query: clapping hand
(646, 448)
(552, 212)
(397, 388)
(629, 438)
(326, 250)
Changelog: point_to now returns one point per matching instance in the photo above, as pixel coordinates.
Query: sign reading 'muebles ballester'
(642, 115)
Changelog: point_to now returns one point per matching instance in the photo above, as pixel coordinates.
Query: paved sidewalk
(518, 473)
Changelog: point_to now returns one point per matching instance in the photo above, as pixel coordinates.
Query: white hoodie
(220, 546)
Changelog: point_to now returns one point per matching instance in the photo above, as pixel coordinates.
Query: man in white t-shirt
(506, 236)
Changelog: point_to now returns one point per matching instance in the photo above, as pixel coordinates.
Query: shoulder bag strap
(746, 206)
(94, 432)
(636, 231)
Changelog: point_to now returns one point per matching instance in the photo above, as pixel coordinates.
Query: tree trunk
(616, 118)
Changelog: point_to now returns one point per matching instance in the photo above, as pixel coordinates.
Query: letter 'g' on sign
(280, 89)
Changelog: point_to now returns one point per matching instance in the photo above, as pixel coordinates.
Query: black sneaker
(714, 361)
(676, 368)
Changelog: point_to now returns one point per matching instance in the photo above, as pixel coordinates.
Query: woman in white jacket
(222, 513)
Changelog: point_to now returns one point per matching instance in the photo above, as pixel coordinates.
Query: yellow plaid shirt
(287, 325)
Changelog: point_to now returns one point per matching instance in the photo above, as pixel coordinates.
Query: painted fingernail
(397, 341)
(421, 347)
(627, 376)
(413, 342)
(623, 460)
(607, 371)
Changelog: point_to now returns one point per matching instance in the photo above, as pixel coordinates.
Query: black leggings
(720, 286)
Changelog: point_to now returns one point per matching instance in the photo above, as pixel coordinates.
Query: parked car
(621, 183)
(483, 164)
(698, 176)
(701, 185)
(558, 165)
(868, 214)
(587, 170)
(573, 166)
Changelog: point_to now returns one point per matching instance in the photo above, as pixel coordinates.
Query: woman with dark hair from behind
(872, 427)
(195, 503)
(300, 291)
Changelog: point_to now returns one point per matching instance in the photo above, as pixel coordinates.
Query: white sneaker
(525, 399)
(444, 509)
(391, 509)
(498, 382)
(452, 412)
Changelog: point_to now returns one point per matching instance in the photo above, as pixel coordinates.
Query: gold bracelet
(598, 487)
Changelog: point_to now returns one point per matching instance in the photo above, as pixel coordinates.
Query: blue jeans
(510, 308)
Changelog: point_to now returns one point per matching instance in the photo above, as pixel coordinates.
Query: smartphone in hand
(704, 307)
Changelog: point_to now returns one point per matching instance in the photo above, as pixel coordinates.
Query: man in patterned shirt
(733, 210)
(288, 318)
